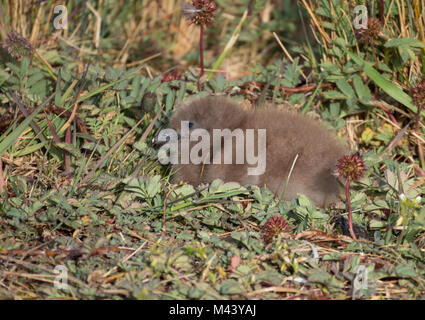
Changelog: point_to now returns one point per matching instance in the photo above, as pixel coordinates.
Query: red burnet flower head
(200, 12)
(18, 46)
(369, 35)
(418, 92)
(273, 227)
(351, 167)
(170, 76)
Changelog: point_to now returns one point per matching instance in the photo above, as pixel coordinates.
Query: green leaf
(40, 89)
(182, 91)
(136, 86)
(230, 287)
(406, 270)
(345, 88)
(404, 54)
(388, 87)
(169, 101)
(112, 74)
(334, 109)
(65, 74)
(404, 42)
(363, 91)
(333, 94)
(383, 67)
(11, 138)
(304, 201)
(121, 85)
(24, 66)
(221, 83)
(34, 78)
(184, 190)
(14, 68)
(258, 6)
(153, 185)
(145, 85)
(28, 150)
(3, 76)
(70, 148)
(328, 25)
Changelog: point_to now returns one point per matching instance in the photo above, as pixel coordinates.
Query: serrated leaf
(383, 67)
(359, 197)
(136, 86)
(145, 84)
(40, 89)
(70, 148)
(4, 76)
(404, 42)
(258, 6)
(14, 68)
(404, 54)
(221, 83)
(24, 66)
(345, 87)
(229, 186)
(111, 74)
(230, 287)
(304, 201)
(333, 94)
(184, 190)
(121, 85)
(377, 224)
(215, 185)
(153, 185)
(34, 78)
(328, 25)
(406, 270)
(391, 179)
(334, 109)
(169, 101)
(66, 74)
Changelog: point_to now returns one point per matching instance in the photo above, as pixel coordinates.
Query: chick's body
(288, 134)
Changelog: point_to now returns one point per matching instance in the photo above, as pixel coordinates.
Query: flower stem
(201, 48)
(420, 150)
(350, 215)
(382, 11)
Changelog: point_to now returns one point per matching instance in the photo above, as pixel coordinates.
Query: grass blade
(11, 138)
(387, 86)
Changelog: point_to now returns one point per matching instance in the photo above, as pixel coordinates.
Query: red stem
(2, 182)
(385, 109)
(382, 10)
(389, 114)
(418, 116)
(350, 216)
(201, 48)
(420, 151)
(67, 154)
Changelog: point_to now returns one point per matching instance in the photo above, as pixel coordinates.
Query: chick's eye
(190, 125)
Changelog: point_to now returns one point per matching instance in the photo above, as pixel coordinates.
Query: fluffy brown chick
(287, 134)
